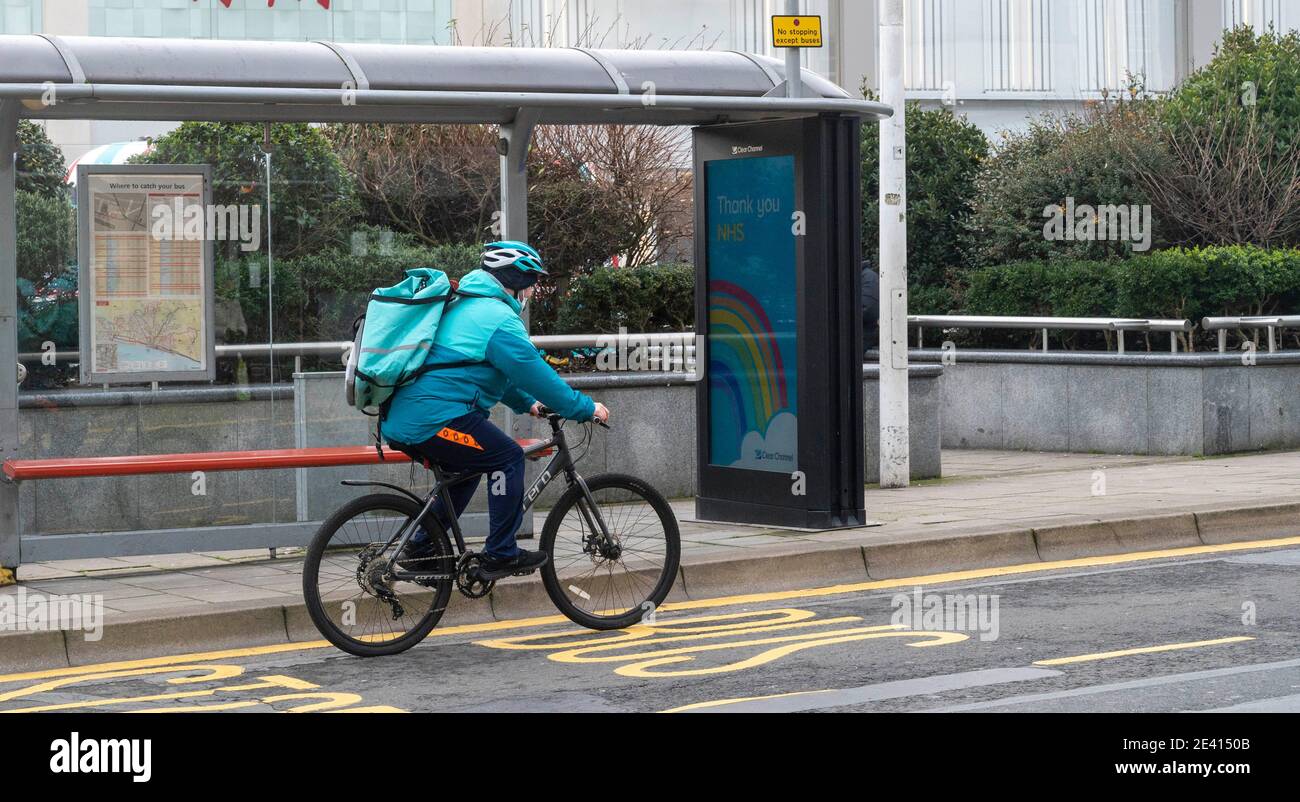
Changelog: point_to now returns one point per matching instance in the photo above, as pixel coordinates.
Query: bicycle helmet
(499, 257)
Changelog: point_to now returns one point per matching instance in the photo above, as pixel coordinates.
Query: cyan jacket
(482, 327)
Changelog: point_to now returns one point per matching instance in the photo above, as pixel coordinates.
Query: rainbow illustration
(747, 371)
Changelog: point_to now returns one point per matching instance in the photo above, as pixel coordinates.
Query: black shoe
(525, 562)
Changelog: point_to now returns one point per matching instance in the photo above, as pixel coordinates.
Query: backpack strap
(461, 293)
(432, 299)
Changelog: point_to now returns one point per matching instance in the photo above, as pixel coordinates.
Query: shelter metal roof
(185, 79)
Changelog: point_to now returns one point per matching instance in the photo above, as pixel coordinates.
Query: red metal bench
(18, 470)
(261, 535)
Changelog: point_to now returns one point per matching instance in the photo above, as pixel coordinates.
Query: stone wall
(653, 436)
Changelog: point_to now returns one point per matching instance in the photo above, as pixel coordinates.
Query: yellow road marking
(783, 619)
(371, 709)
(722, 702)
(199, 708)
(725, 601)
(1053, 662)
(642, 669)
(1168, 647)
(980, 573)
(258, 651)
(598, 648)
(205, 673)
(215, 672)
(268, 681)
(157, 697)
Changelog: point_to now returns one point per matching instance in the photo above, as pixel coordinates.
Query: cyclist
(483, 356)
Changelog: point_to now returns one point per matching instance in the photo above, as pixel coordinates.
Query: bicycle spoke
(354, 589)
(611, 588)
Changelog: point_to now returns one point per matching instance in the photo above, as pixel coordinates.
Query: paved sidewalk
(1042, 503)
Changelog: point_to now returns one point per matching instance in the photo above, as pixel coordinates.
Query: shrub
(40, 163)
(944, 155)
(646, 298)
(47, 312)
(1250, 74)
(931, 299)
(1089, 157)
(46, 235)
(319, 295)
(1196, 282)
(1186, 283)
(47, 276)
(1231, 138)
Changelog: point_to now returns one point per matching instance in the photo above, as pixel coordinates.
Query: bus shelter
(788, 396)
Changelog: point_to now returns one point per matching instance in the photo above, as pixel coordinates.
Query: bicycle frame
(561, 463)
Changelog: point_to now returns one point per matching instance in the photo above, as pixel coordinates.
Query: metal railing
(679, 347)
(1116, 324)
(674, 347)
(1270, 322)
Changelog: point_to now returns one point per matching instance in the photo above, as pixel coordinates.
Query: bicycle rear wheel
(355, 603)
(620, 585)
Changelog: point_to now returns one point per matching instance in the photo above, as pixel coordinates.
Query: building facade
(999, 62)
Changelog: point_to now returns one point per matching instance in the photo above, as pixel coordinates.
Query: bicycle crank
(468, 580)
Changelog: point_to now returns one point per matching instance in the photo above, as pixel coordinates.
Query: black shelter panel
(777, 246)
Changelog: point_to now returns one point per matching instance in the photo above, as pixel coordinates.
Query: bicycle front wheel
(353, 599)
(614, 583)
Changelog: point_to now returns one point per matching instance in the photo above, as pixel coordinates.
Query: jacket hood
(480, 282)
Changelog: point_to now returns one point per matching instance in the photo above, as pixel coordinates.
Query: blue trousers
(472, 443)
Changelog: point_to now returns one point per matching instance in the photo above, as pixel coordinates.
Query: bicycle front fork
(599, 540)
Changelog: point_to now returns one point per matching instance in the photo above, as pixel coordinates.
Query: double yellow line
(700, 604)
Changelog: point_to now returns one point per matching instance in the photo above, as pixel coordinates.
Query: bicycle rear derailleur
(372, 576)
(468, 580)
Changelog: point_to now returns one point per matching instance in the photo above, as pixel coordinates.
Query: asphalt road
(1214, 631)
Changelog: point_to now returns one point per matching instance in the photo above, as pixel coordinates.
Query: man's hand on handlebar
(601, 415)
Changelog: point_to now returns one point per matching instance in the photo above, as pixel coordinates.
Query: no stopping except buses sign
(796, 31)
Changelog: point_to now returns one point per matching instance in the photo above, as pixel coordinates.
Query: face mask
(523, 303)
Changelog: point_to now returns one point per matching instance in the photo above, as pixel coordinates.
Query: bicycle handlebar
(547, 412)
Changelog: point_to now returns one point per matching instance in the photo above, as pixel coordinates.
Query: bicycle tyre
(316, 552)
(662, 585)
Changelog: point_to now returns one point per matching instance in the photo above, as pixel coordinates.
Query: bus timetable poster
(752, 314)
(145, 295)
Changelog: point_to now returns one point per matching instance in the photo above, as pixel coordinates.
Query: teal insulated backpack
(392, 339)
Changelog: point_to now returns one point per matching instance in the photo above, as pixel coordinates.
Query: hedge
(318, 296)
(1187, 283)
(647, 298)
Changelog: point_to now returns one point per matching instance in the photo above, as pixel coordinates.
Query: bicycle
(612, 559)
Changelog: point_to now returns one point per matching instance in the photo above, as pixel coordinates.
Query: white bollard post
(895, 463)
